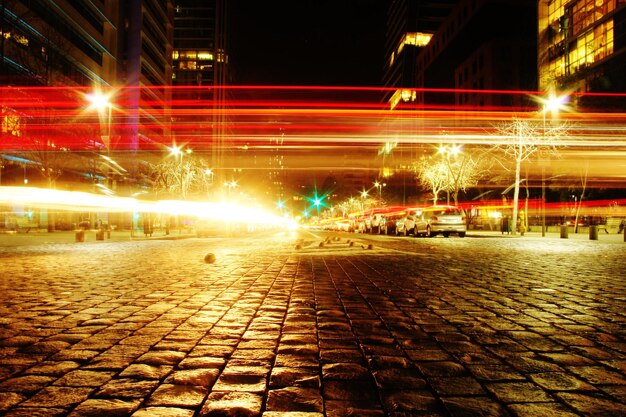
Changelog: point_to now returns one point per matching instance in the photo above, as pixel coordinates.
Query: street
(313, 324)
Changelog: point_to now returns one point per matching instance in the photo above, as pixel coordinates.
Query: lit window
(22, 40)
(206, 56)
(175, 55)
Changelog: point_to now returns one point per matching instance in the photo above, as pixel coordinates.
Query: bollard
(80, 235)
(100, 234)
(564, 231)
(593, 232)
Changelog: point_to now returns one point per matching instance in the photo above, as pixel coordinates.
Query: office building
(582, 48)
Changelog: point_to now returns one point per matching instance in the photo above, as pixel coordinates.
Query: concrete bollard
(564, 231)
(100, 234)
(593, 232)
(80, 235)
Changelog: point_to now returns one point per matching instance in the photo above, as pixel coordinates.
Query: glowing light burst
(80, 201)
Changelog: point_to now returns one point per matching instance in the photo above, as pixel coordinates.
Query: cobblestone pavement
(304, 325)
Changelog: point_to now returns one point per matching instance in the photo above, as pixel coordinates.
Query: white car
(405, 225)
(444, 220)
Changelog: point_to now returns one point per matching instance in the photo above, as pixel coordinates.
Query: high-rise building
(58, 42)
(410, 27)
(582, 46)
(145, 61)
(482, 45)
(200, 63)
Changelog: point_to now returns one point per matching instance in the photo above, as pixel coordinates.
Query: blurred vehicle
(444, 220)
(344, 225)
(388, 226)
(405, 224)
(375, 223)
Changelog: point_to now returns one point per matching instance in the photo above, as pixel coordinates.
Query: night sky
(307, 42)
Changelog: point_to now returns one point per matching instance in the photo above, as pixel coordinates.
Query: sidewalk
(583, 234)
(42, 237)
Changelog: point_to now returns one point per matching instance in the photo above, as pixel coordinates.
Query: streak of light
(223, 211)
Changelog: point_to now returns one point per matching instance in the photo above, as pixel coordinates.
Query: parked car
(388, 225)
(444, 220)
(405, 224)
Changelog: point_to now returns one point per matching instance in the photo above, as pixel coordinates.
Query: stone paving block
(394, 379)
(177, 396)
(282, 377)
(80, 378)
(75, 355)
(241, 382)
(560, 381)
(202, 363)
(9, 399)
(36, 412)
(441, 368)
(239, 404)
(345, 371)
(163, 412)
(475, 406)
(341, 355)
(517, 392)
(254, 354)
(456, 386)
(200, 377)
(127, 388)
(297, 361)
(422, 355)
(60, 397)
(598, 375)
(495, 373)
(144, 371)
(26, 384)
(291, 414)
(295, 399)
(158, 358)
(105, 407)
(541, 409)
(362, 392)
(346, 408)
(409, 401)
(53, 368)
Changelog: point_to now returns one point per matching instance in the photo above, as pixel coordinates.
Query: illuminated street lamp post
(446, 152)
(379, 186)
(101, 102)
(552, 105)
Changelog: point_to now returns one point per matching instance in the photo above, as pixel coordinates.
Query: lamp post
(445, 152)
(102, 102)
(552, 105)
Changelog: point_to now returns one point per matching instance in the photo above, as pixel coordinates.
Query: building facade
(58, 42)
(410, 27)
(582, 47)
(482, 45)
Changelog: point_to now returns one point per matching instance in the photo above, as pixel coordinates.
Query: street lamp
(445, 152)
(102, 102)
(379, 186)
(553, 104)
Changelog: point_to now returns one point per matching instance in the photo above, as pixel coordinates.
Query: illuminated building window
(11, 125)
(404, 95)
(414, 39)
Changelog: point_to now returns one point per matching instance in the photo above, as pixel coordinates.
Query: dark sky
(307, 42)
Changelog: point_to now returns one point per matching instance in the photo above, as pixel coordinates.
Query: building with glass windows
(582, 46)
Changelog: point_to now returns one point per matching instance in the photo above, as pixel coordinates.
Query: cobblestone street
(302, 324)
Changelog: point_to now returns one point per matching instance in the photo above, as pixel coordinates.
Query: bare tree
(434, 174)
(520, 139)
(452, 174)
(184, 177)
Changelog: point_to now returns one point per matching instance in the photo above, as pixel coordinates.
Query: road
(313, 322)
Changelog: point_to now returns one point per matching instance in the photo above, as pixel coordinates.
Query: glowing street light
(553, 104)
